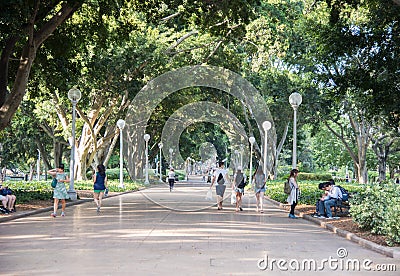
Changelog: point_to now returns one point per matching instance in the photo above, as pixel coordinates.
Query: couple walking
(221, 177)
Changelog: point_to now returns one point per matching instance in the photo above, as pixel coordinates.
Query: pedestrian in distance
(60, 192)
(99, 185)
(259, 182)
(294, 195)
(171, 179)
(238, 185)
(221, 177)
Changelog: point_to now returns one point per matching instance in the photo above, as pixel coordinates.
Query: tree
(24, 30)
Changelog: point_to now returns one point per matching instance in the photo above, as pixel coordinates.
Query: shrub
(41, 190)
(376, 208)
(309, 191)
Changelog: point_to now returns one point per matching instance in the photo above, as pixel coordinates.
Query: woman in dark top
(100, 185)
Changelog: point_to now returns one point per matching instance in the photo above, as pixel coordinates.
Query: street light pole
(252, 140)
(147, 138)
(295, 100)
(121, 125)
(160, 145)
(74, 95)
(266, 126)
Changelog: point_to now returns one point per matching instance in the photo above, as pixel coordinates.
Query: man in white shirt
(333, 193)
(221, 177)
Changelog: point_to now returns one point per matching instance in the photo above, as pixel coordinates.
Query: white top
(335, 192)
(171, 175)
(224, 174)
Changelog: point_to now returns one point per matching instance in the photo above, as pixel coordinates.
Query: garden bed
(347, 224)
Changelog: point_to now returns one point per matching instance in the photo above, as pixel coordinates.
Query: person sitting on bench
(333, 193)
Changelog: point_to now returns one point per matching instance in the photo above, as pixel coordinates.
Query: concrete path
(157, 232)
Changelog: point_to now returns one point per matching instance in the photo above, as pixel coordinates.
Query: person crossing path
(155, 232)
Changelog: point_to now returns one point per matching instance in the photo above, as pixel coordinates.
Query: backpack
(220, 179)
(345, 193)
(242, 183)
(286, 187)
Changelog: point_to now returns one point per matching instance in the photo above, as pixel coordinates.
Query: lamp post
(170, 157)
(74, 95)
(295, 101)
(147, 138)
(160, 146)
(266, 126)
(252, 140)
(121, 125)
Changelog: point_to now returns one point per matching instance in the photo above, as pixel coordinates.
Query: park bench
(341, 208)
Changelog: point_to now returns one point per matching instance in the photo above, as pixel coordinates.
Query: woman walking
(100, 185)
(60, 192)
(259, 188)
(238, 186)
(220, 176)
(294, 192)
(171, 179)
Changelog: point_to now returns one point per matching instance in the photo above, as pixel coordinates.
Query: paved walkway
(155, 232)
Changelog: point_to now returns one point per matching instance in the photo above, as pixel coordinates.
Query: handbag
(209, 194)
(233, 197)
(54, 183)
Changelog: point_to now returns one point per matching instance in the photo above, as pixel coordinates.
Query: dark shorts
(220, 190)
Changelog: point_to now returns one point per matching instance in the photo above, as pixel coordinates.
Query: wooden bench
(341, 208)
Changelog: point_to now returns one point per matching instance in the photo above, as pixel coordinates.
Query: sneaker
(329, 218)
(63, 214)
(292, 216)
(322, 217)
(53, 215)
(98, 209)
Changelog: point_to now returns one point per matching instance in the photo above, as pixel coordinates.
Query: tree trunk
(35, 39)
(360, 130)
(382, 147)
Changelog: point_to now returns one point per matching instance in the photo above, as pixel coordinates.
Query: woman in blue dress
(100, 185)
(60, 192)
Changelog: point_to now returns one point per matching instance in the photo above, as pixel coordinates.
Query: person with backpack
(238, 185)
(221, 177)
(333, 194)
(294, 195)
(259, 188)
